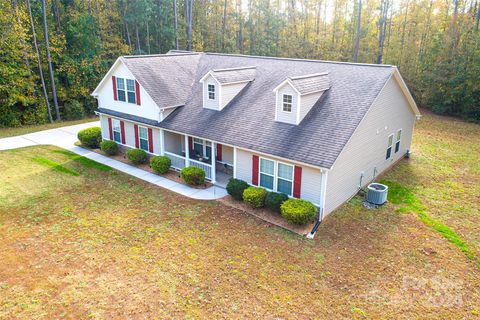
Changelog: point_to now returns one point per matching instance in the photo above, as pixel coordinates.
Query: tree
(357, 38)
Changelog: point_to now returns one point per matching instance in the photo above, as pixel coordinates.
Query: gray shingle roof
(311, 83)
(248, 121)
(232, 75)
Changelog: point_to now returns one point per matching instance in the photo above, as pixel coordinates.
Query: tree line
(54, 52)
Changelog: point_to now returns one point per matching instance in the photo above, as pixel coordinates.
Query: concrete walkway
(66, 137)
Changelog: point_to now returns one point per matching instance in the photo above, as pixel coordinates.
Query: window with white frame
(284, 178)
(117, 135)
(131, 97)
(143, 137)
(389, 147)
(211, 91)
(287, 103)
(267, 173)
(397, 143)
(202, 148)
(121, 89)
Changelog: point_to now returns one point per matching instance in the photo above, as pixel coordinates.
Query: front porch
(213, 158)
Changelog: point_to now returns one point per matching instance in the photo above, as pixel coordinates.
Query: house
(316, 130)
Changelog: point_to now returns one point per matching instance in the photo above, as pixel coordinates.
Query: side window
(116, 130)
(143, 136)
(131, 91)
(267, 173)
(121, 89)
(397, 143)
(287, 103)
(211, 91)
(389, 147)
(285, 178)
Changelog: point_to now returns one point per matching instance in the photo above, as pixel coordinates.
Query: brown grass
(105, 245)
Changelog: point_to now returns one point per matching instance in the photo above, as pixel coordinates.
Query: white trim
(323, 193)
(162, 142)
(297, 118)
(235, 162)
(284, 82)
(107, 75)
(187, 151)
(406, 92)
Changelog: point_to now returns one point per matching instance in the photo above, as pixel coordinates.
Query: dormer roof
(307, 84)
(232, 75)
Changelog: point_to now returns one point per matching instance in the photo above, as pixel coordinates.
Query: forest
(54, 52)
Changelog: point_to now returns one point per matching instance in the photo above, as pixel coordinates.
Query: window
(117, 136)
(143, 136)
(131, 91)
(267, 173)
(121, 89)
(202, 148)
(389, 147)
(211, 91)
(287, 103)
(399, 137)
(284, 178)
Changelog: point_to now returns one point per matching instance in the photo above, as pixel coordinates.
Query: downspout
(321, 209)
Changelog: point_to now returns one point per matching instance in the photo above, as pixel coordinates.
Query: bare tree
(175, 19)
(357, 40)
(382, 28)
(224, 24)
(137, 40)
(40, 71)
(188, 16)
(49, 60)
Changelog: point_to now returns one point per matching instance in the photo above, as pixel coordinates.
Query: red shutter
(137, 91)
(219, 152)
(255, 170)
(122, 130)
(150, 140)
(137, 142)
(110, 129)
(114, 82)
(190, 143)
(297, 182)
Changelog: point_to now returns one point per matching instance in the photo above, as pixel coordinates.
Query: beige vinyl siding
(311, 177)
(307, 102)
(282, 116)
(227, 154)
(367, 147)
(209, 103)
(173, 142)
(229, 91)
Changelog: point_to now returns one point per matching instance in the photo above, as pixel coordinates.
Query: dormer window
(126, 92)
(211, 91)
(287, 103)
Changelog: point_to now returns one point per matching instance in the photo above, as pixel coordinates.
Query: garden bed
(267, 215)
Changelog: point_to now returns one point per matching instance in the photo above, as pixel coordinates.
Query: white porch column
(214, 160)
(187, 152)
(235, 162)
(162, 142)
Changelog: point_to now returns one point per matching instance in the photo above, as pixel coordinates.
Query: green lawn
(10, 132)
(78, 240)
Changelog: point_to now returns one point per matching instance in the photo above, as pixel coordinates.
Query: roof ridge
(160, 55)
(309, 76)
(234, 69)
(300, 59)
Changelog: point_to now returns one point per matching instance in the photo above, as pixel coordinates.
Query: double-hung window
(143, 137)
(131, 91)
(397, 143)
(287, 103)
(202, 148)
(121, 89)
(389, 147)
(117, 136)
(267, 173)
(284, 178)
(211, 91)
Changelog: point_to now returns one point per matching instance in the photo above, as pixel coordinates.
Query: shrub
(274, 200)
(137, 156)
(90, 137)
(235, 188)
(160, 164)
(255, 196)
(73, 110)
(298, 211)
(193, 175)
(109, 147)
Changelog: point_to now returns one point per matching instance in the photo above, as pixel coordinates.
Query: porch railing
(178, 162)
(205, 167)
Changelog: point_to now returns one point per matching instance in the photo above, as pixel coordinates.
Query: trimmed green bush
(193, 175)
(255, 196)
(160, 164)
(137, 156)
(274, 200)
(298, 211)
(109, 147)
(90, 137)
(73, 110)
(235, 188)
